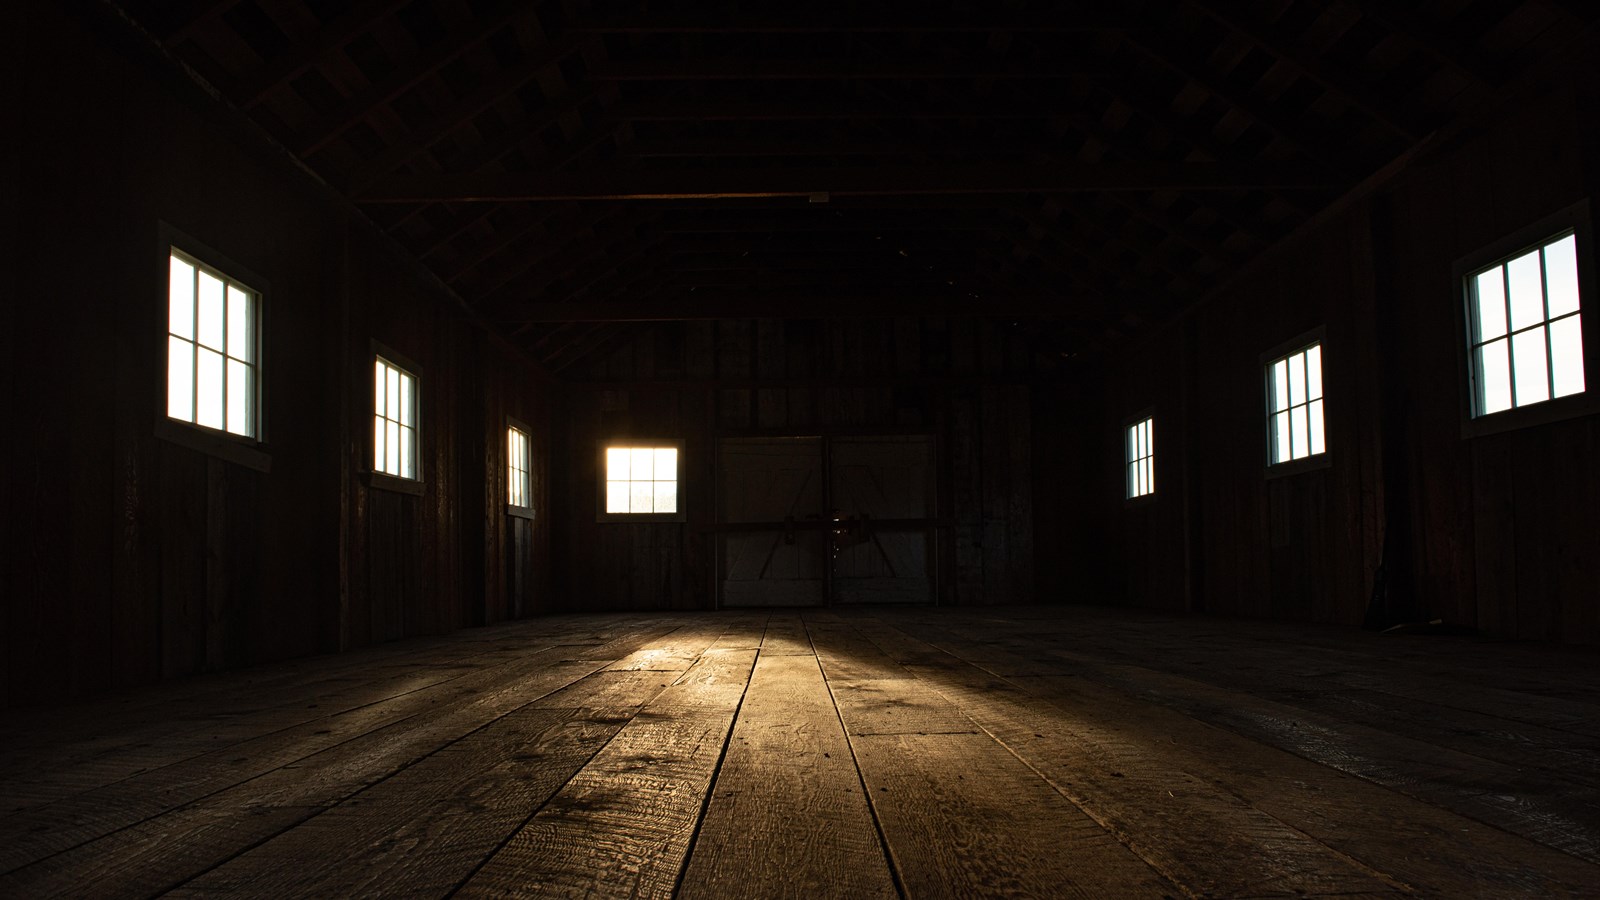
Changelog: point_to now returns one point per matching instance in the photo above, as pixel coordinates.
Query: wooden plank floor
(1044, 752)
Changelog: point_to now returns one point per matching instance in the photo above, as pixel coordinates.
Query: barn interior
(619, 448)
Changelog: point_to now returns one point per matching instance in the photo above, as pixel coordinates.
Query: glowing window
(519, 480)
(641, 480)
(1525, 331)
(1141, 459)
(212, 348)
(1294, 405)
(394, 421)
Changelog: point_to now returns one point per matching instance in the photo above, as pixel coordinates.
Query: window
(1141, 458)
(212, 348)
(641, 480)
(1524, 330)
(519, 480)
(1294, 405)
(394, 425)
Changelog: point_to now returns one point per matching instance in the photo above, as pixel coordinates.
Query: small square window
(213, 370)
(640, 480)
(394, 421)
(1525, 332)
(1141, 459)
(519, 477)
(1294, 406)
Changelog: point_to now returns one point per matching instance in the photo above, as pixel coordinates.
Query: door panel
(880, 478)
(772, 480)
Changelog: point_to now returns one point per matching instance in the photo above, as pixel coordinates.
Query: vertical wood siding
(1493, 532)
(129, 558)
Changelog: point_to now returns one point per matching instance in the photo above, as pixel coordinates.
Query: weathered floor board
(809, 753)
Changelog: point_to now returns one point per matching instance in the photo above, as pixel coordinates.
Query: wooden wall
(1492, 532)
(963, 381)
(131, 558)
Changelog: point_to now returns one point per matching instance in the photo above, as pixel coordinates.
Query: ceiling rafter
(1287, 49)
(876, 69)
(426, 64)
(255, 87)
(780, 182)
(862, 20)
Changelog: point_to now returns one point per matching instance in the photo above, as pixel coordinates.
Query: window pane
(239, 398)
(1150, 475)
(391, 392)
(641, 496)
(1280, 383)
(1131, 445)
(211, 311)
(1489, 289)
(1299, 439)
(617, 465)
(666, 464)
(238, 323)
(1314, 372)
(1529, 371)
(391, 442)
(1297, 379)
(180, 379)
(1131, 476)
(408, 455)
(1494, 377)
(1561, 276)
(1566, 355)
(377, 388)
(641, 461)
(1318, 439)
(1280, 437)
(180, 299)
(408, 403)
(208, 397)
(666, 496)
(378, 451)
(616, 496)
(1527, 291)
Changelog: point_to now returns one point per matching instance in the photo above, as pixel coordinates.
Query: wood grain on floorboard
(852, 752)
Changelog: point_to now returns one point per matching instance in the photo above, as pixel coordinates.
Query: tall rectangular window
(519, 479)
(212, 340)
(394, 425)
(1141, 459)
(641, 480)
(1294, 405)
(1526, 334)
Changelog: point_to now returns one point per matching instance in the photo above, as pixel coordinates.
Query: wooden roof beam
(496, 88)
(859, 20)
(1171, 55)
(877, 69)
(886, 302)
(341, 30)
(714, 183)
(204, 15)
(1483, 72)
(669, 110)
(429, 61)
(1272, 39)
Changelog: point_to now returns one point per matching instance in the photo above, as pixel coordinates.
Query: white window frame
(1294, 350)
(1139, 457)
(1574, 221)
(382, 359)
(603, 481)
(249, 450)
(519, 472)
